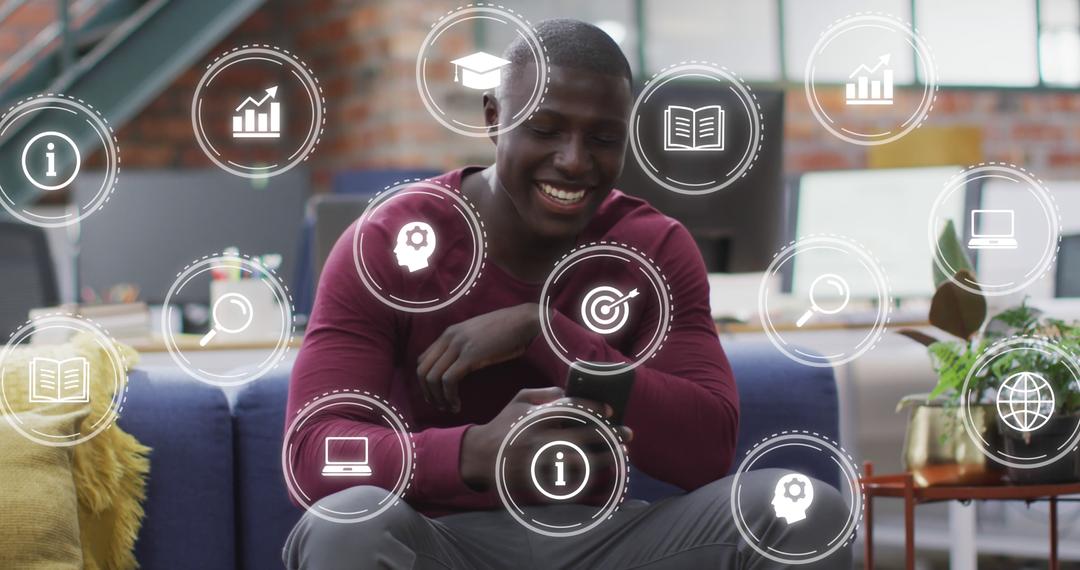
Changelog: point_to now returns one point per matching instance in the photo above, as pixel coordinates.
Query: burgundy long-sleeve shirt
(683, 408)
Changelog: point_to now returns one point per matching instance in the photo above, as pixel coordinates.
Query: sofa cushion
(39, 528)
(190, 521)
(266, 514)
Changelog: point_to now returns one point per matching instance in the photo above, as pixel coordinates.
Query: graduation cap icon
(479, 70)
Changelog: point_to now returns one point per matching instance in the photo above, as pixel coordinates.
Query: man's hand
(480, 445)
(470, 345)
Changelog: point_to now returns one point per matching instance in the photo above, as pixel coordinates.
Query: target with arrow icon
(604, 309)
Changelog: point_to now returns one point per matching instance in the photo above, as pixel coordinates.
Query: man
(466, 373)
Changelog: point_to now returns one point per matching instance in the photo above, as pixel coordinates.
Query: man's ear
(491, 116)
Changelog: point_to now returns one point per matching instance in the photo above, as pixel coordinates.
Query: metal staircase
(114, 54)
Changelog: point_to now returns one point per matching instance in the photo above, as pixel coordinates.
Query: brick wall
(363, 52)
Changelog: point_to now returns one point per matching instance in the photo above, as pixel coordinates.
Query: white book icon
(694, 129)
(57, 381)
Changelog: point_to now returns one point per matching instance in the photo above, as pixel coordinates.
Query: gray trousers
(695, 530)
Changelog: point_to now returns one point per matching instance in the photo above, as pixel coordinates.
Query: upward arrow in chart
(270, 93)
(883, 60)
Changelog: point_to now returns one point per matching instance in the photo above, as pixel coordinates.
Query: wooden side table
(902, 485)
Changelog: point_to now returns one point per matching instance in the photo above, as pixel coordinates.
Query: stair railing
(61, 29)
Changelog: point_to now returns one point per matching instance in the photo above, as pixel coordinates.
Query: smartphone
(611, 389)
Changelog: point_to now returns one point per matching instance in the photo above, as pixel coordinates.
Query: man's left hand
(470, 345)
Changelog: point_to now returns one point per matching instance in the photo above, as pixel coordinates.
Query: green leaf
(951, 253)
(956, 310)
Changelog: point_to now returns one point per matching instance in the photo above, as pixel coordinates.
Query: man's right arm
(351, 344)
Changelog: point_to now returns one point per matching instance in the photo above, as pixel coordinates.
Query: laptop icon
(992, 229)
(346, 457)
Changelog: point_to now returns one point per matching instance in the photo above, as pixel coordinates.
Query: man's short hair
(571, 43)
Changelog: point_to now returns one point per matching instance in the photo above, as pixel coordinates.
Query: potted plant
(937, 449)
(1059, 376)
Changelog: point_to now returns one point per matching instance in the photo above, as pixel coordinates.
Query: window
(805, 20)
(980, 43)
(1059, 42)
(739, 35)
(616, 17)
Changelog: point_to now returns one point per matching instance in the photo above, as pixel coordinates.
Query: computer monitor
(738, 228)
(885, 210)
(1067, 283)
(158, 222)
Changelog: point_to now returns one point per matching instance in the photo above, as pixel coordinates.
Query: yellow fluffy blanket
(109, 469)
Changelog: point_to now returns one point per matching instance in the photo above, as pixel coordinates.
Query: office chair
(27, 278)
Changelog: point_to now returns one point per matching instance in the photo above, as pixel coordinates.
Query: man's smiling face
(560, 164)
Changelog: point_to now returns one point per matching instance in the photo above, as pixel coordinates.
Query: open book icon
(59, 380)
(694, 129)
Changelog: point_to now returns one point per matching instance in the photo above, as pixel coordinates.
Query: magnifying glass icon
(227, 306)
(821, 289)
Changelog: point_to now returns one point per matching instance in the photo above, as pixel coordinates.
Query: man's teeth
(562, 195)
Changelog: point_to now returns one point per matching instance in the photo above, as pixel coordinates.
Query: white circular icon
(232, 314)
(47, 130)
(559, 464)
(873, 112)
(443, 81)
(696, 128)
(347, 458)
(560, 469)
(1025, 401)
(605, 309)
(827, 271)
(382, 244)
(50, 153)
(62, 364)
(272, 125)
(811, 537)
(251, 311)
(1013, 235)
(833, 289)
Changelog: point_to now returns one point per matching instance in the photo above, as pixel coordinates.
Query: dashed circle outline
(659, 282)
(110, 144)
(313, 87)
(472, 218)
(449, 19)
(922, 50)
(851, 475)
(281, 294)
(400, 428)
(615, 443)
(746, 95)
(881, 281)
(1046, 201)
(103, 339)
(982, 361)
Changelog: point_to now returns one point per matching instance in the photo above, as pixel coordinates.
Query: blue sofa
(216, 498)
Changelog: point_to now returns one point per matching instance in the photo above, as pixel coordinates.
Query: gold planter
(937, 450)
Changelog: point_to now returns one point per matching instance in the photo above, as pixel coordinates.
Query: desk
(903, 486)
(154, 353)
(789, 326)
(190, 342)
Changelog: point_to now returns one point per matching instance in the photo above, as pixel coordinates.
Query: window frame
(784, 65)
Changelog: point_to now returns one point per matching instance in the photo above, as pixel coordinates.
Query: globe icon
(1025, 401)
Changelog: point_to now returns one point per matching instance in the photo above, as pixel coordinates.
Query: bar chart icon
(258, 118)
(868, 86)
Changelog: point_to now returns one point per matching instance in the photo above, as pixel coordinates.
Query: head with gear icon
(792, 497)
(415, 244)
